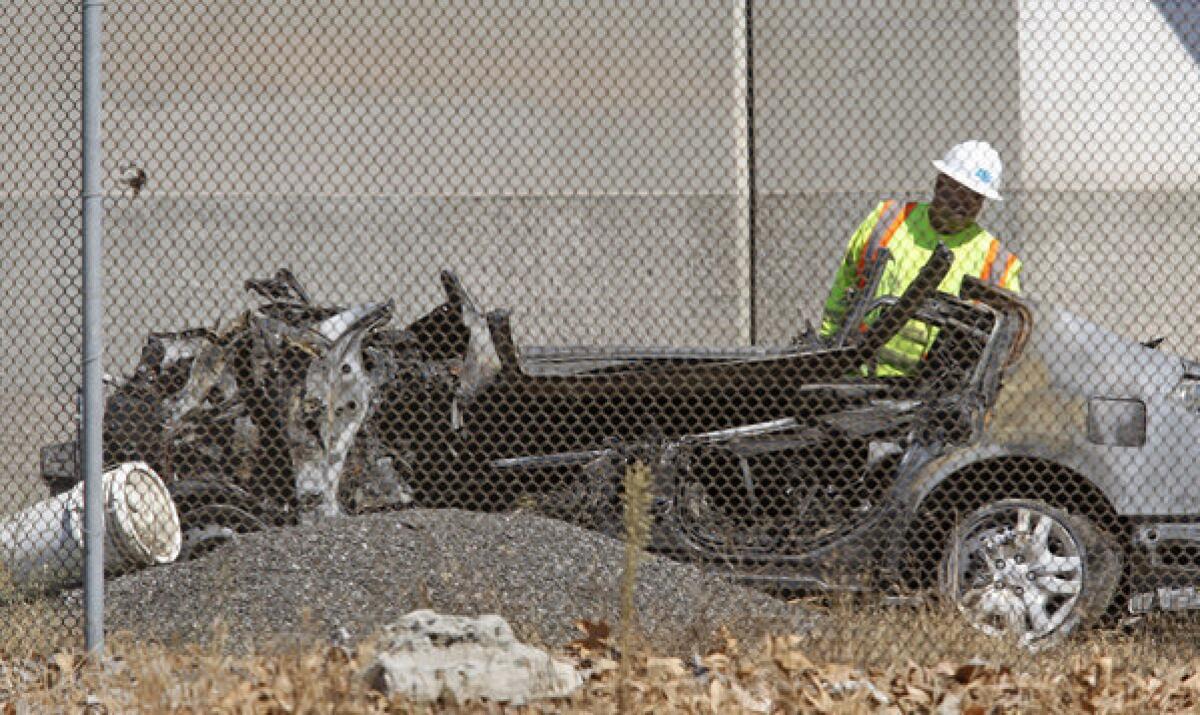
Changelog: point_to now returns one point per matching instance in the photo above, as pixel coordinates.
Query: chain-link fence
(40, 44)
(371, 256)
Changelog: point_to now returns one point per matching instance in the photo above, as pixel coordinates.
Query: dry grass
(636, 517)
(866, 659)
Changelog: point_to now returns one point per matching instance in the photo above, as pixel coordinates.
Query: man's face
(954, 206)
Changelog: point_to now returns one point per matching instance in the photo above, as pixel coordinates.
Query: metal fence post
(751, 188)
(93, 402)
(743, 163)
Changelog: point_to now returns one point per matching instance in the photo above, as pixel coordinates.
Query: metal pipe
(93, 341)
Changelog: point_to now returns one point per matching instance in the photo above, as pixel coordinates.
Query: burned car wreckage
(1027, 469)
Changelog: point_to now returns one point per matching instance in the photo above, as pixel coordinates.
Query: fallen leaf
(337, 654)
(284, 693)
(967, 672)
(918, 696)
(729, 644)
(65, 662)
(915, 673)
(714, 695)
(840, 671)
(597, 637)
(598, 630)
(821, 700)
(951, 704)
(665, 668)
(790, 658)
(748, 702)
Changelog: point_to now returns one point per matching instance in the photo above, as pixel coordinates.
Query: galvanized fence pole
(751, 188)
(93, 402)
(742, 162)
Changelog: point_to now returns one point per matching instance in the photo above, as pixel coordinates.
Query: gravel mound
(360, 573)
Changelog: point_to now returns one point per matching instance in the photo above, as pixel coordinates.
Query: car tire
(1025, 570)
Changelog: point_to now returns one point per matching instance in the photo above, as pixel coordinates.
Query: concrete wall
(1112, 162)
(853, 100)
(1089, 103)
(578, 162)
(567, 158)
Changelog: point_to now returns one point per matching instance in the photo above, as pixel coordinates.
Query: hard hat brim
(967, 180)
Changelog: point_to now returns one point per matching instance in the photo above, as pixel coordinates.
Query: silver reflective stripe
(891, 210)
(916, 332)
(900, 360)
(999, 263)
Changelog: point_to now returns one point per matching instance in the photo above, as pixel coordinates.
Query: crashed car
(260, 423)
(1028, 470)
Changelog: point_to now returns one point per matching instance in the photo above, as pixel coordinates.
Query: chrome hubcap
(1017, 573)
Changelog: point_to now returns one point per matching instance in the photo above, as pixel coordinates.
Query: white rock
(425, 655)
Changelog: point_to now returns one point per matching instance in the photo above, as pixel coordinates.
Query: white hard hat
(975, 165)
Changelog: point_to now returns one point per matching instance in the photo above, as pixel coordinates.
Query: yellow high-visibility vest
(904, 229)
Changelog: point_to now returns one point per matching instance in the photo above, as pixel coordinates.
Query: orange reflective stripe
(887, 237)
(1008, 266)
(993, 249)
(872, 245)
(999, 265)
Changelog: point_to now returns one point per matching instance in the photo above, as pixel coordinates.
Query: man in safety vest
(969, 173)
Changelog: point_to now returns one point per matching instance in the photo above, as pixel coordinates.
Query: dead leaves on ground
(778, 676)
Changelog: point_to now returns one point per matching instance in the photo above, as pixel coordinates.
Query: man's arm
(847, 274)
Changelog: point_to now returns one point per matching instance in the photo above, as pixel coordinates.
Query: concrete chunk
(426, 655)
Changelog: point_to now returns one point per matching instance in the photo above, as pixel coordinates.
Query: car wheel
(1025, 570)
